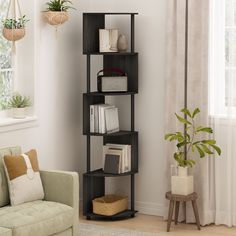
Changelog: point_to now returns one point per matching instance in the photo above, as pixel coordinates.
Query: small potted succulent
(19, 103)
(190, 141)
(57, 11)
(14, 29)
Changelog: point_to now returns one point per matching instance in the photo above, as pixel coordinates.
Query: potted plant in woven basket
(19, 103)
(14, 29)
(57, 12)
(189, 142)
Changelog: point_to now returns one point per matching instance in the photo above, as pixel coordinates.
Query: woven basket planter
(56, 17)
(110, 205)
(13, 34)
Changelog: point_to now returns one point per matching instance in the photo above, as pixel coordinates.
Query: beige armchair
(57, 214)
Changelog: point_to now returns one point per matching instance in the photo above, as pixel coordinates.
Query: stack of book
(104, 119)
(117, 158)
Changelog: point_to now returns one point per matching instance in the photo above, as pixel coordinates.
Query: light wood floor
(154, 224)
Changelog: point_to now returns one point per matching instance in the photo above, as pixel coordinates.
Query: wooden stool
(175, 201)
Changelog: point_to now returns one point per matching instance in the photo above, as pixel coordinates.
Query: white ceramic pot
(182, 171)
(19, 113)
(122, 43)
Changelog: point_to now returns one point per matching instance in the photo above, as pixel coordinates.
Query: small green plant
(59, 5)
(15, 24)
(19, 101)
(190, 140)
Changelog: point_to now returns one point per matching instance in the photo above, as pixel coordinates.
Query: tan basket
(13, 34)
(110, 205)
(56, 17)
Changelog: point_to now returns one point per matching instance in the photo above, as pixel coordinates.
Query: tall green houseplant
(191, 140)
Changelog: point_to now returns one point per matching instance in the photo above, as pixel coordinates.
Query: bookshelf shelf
(119, 216)
(100, 173)
(94, 180)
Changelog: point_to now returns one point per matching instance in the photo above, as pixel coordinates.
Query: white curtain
(212, 88)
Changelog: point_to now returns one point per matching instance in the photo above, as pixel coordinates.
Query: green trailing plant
(19, 101)
(10, 23)
(190, 139)
(59, 5)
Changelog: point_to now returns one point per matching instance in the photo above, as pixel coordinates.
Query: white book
(112, 120)
(92, 130)
(102, 122)
(96, 119)
(126, 157)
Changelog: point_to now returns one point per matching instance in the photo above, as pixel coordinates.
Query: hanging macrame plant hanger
(14, 32)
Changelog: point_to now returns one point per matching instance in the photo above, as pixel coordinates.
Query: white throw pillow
(23, 177)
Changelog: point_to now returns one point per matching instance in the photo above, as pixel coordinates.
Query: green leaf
(179, 145)
(206, 149)
(196, 111)
(209, 141)
(167, 136)
(205, 129)
(186, 112)
(182, 120)
(218, 150)
(201, 153)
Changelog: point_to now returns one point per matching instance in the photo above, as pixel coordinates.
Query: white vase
(182, 171)
(19, 113)
(122, 43)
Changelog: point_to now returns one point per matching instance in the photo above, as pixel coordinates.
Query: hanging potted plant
(14, 29)
(19, 103)
(57, 12)
(189, 142)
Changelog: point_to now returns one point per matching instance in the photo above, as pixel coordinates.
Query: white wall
(150, 43)
(59, 86)
(56, 91)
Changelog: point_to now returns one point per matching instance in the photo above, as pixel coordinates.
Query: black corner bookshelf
(94, 180)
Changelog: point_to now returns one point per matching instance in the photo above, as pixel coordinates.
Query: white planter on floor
(19, 113)
(182, 184)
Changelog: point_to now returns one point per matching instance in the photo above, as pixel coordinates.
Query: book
(112, 120)
(92, 110)
(112, 164)
(124, 150)
(102, 122)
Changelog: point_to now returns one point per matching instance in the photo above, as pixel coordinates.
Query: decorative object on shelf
(191, 141)
(117, 158)
(14, 24)
(108, 39)
(112, 80)
(110, 205)
(104, 119)
(19, 103)
(122, 43)
(57, 12)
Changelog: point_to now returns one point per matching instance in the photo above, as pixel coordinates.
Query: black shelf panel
(100, 173)
(120, 133)
(111, 53)
(111, 13)
(119, 216)
(110, 93)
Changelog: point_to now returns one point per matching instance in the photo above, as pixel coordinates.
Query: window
(222, 55)
(6, 68)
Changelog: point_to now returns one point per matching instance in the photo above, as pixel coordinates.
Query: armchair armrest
(61, 186)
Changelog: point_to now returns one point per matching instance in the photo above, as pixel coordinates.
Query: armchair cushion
(38, 218)
(4, 195)
(5, 232)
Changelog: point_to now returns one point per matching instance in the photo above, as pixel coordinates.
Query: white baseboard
(148, 208)
(145, 208)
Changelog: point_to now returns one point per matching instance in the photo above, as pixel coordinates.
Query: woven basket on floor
(56, 17)
(13, 34)
(110, 205)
